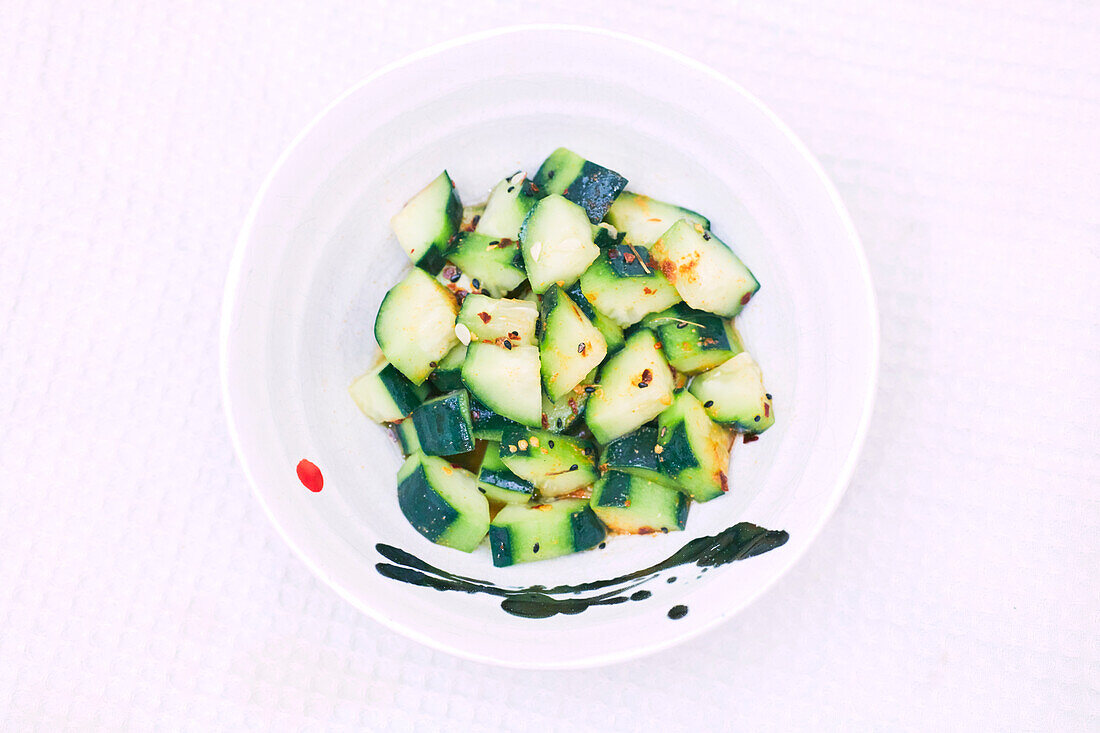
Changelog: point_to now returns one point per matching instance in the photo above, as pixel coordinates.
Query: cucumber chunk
(620, 403)
(471, 214)
(612, 332)
(443, 425)
(559, 415)
(556, 240)
(509, 203)
(555, 464)
(705, 271)
(428, 221)
(497, 481)
(488, 425)
(447, 377)
(442, 502)
(694, 450)
(506, 381)
(415, 326)
(571, 346)
(405, 434)
(694, 341)
(522, 533)
(385, 395)
(498, 320)
(634, 505)
(734, 394)
(581, 181)
(625, 283)
(496, 264)
(635, 453)
(644, 219)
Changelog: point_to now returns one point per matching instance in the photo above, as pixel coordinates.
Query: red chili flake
(612, 252)
(628, 257)
(514, 335)
(545, 422)
(647, 375)
(573, 406)
(746, 298)
(767, 410)
(310, 476)
(648, 290)
(751, 438)
(485, 317)
(724, 480)
(646, 530)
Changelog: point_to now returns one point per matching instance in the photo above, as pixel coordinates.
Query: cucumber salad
(560, 363)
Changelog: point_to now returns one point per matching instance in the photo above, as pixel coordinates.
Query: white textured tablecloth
(957, 586)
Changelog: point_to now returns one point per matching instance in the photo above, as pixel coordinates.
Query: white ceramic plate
(316, 256)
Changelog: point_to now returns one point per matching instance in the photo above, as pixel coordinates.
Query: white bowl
(316, 256)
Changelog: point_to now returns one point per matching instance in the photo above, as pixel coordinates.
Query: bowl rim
(235, 274)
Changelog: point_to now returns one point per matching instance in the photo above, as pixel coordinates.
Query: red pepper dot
(310, 475)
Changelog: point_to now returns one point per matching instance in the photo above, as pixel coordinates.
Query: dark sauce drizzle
(741, 541)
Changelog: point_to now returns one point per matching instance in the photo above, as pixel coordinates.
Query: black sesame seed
(588, 450)
(456, 276)
(681, 324)
(559, 423)
(767, 395)
(432, 364)
(550, 175)
(664, 530)
(551, 444)
(708, 403)
(590, 389)
(756, 419)
(508, 344)
(672, 579)
(580, 348)
(511, 188)
(602, 544)
(476, 283)
(535, 548)
(574, 467)
(643, 385)
(481, 489)
(706, 236)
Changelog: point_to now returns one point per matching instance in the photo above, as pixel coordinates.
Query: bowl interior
(317, 257)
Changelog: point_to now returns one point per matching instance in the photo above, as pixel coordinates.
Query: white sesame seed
(463, 333)
(536, 250)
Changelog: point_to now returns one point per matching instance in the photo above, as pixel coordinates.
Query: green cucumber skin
(588, 530)
(506, 480)
(616, 490)
(406, 395)
(678, 455)
(488, 425)
(682, 510)
(639, 264)
(633, 450)
(500, 543)
(427, 511)
(583, 182)
(443, 425)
